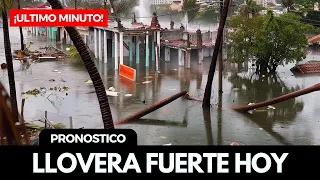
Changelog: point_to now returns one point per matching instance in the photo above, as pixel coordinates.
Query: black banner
(87, 137)
(211, 161)
(103, 153)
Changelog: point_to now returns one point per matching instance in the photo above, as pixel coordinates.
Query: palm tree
(191, 7)
(288, 4)
(250, 8)
(20, 28)
(92, 70)
(5, 5)
(121, 8)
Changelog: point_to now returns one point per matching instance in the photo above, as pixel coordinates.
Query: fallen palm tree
(308, 90)
(151, 108)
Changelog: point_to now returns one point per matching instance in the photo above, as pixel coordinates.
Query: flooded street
(182, 122)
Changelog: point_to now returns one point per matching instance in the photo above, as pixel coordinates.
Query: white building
(265, 2)
(156, 2)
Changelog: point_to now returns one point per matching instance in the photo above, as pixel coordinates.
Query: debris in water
(235, 89)
(89, 82)
(110, 93)
(128, 95)
(149, 77)
(52, 80)
(271, 107)
(146, 82)
(260, 129)
(55, 71)
(163, 137)
(112, 89)
(35, 92)
(235, 144)
(261, 110)
(167, 144)
(175, 69)
(251, 104)
(65, 88)
(62, 80)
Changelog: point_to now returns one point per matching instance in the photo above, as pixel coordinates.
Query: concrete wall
(177, 35)
(172, 35)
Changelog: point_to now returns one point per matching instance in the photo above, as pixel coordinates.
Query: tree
(279, 41)
(191, 7)
(307, 4)
(250, 8)
(288, 4)
(244, 36)
(21, 32)
(5, 5)
(312, 17)
(92, 70)
(210, 15)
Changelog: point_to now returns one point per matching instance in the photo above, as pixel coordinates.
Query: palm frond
(74, 54)
(191, 7)
(124, 7)
(8, 5)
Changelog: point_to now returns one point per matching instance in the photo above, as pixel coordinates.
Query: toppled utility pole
(207, 93)
(313, 88)
(151, 108)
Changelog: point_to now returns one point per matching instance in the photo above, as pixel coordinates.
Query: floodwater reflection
(258, 88)
(181, 122)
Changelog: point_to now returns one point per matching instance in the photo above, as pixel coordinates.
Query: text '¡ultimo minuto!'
(87, 138)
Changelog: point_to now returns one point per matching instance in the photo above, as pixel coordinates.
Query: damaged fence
(50, 120)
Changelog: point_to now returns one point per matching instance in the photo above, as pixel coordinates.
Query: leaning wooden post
(22, 109)
(151, 108)
(278, 99)
(45, 119)
(207, 93)
(71, 123)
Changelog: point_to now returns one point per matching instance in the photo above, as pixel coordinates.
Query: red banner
(29, 18)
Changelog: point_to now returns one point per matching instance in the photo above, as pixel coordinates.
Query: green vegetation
(75, 56)
(268, 40)
(250, 8)
(191, 7)
(210, 15)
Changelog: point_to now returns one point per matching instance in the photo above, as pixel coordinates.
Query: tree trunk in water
(278, 99)
(92, 70)
(8, 54)
(207, 93)
(21, 32)
(152, 108)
